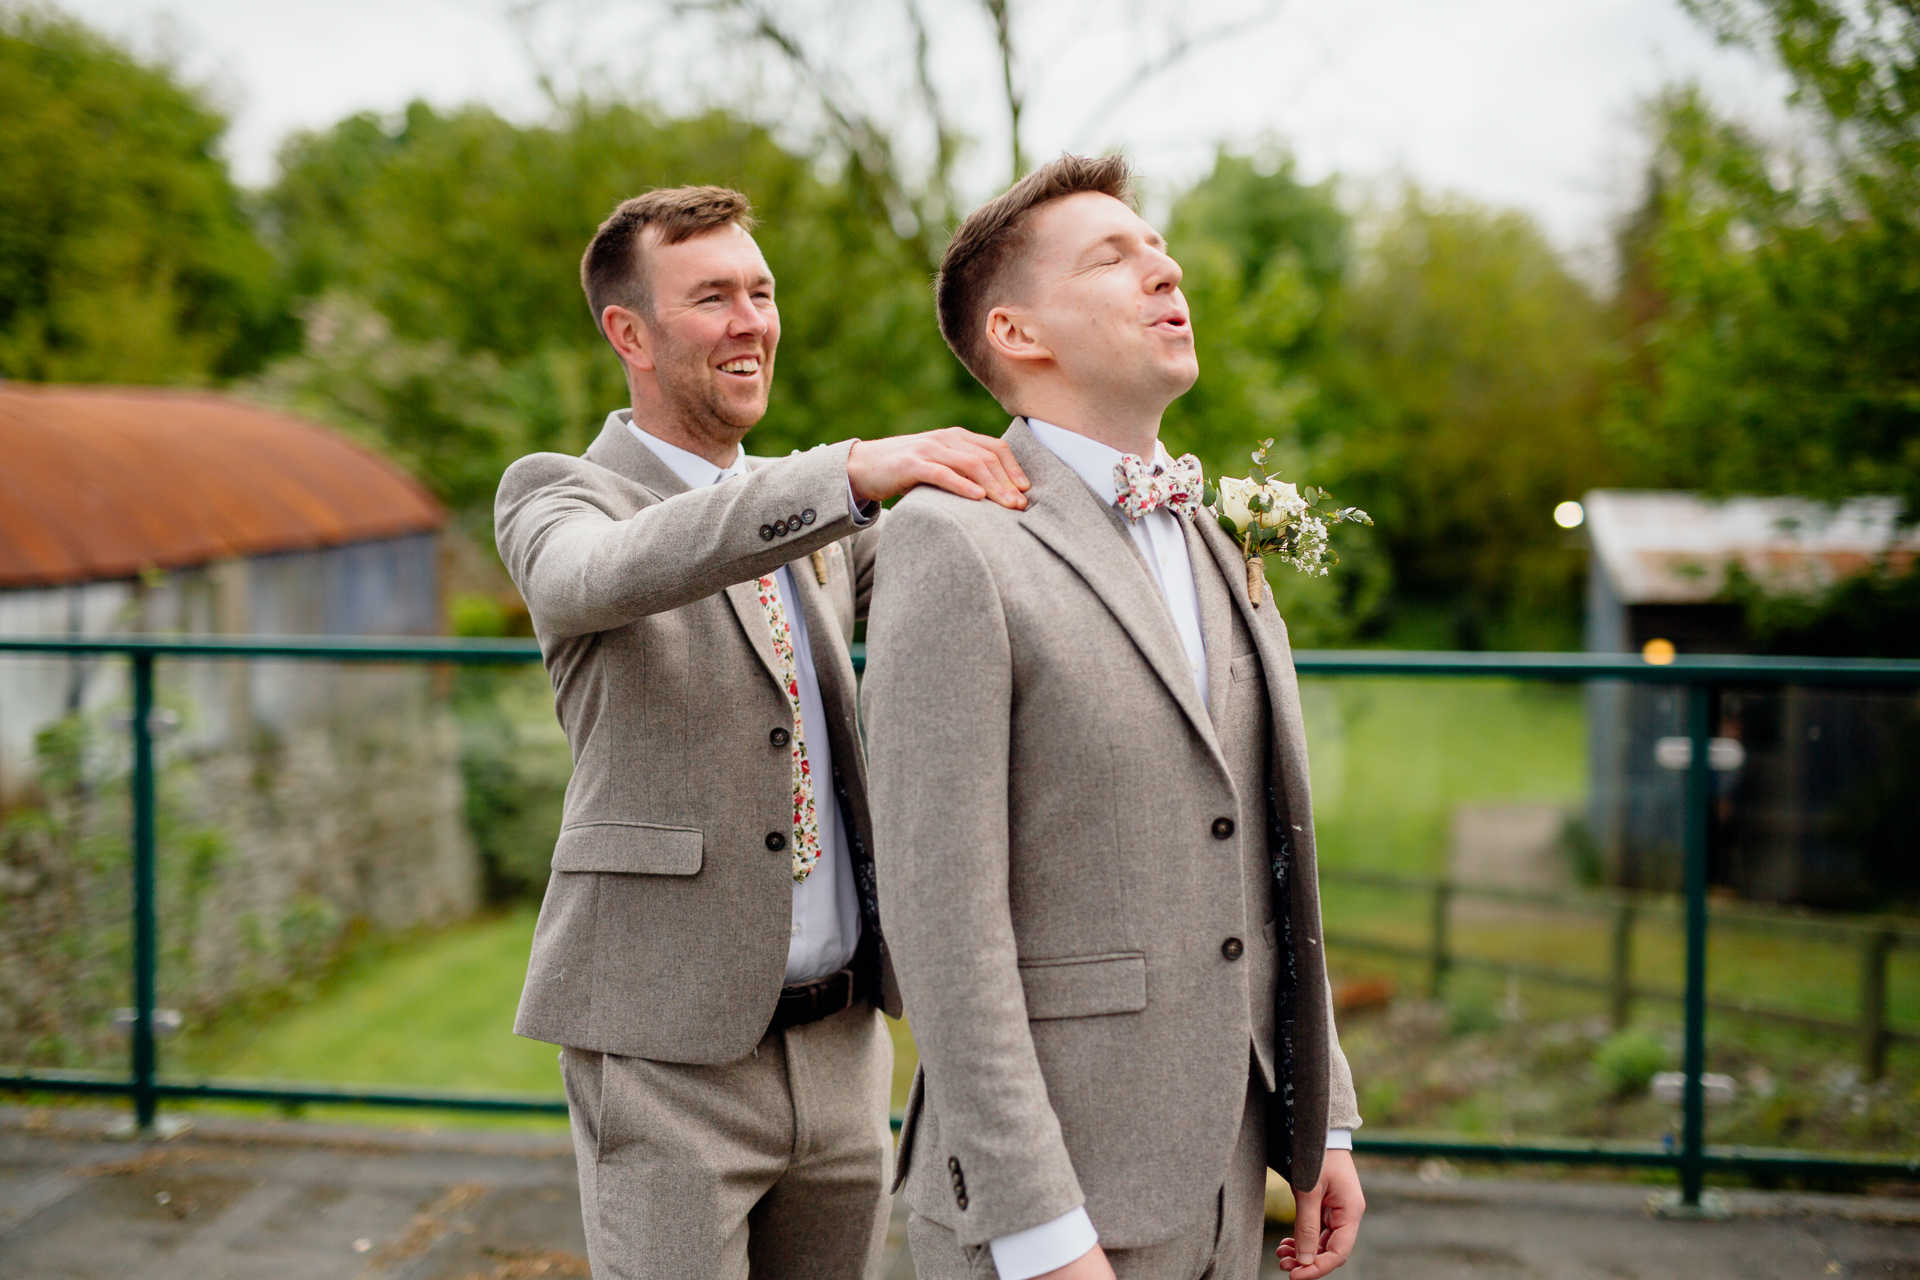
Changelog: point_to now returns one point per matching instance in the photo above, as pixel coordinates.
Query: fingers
(1306, 1228)
(1003, 458)
(982, 460)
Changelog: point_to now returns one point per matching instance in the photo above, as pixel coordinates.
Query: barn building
(1806, 810)
(330, 793)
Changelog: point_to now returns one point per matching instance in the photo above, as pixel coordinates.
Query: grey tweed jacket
(1099, 892)
(667, 919)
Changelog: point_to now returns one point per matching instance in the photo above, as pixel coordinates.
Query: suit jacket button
(780, 737)
(1222, 828)
(961, 1200)
(1233, 948)
(776, 841)
(807, 516)
(766, 533)
(794, 522)
(780, 527)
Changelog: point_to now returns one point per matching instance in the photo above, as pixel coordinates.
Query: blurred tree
(1460, 394)
(1444, 375)
(1776, 293)
(125, 252)
(465, 230)
(1265, 258)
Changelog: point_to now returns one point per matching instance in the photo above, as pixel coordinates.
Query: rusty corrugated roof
(105, 482)
(1677, 548)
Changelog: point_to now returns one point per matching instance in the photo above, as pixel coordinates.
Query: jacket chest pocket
(1085, 986)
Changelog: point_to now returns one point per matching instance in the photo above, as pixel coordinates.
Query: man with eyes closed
(709, 954)
(1095, 836)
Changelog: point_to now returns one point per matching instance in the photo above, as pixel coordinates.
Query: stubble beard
(690, 391)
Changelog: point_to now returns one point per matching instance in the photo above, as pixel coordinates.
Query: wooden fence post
(1873, 1003)
(1620, 971)
(1439, 957)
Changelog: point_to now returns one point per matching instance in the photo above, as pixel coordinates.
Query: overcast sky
(1519, 102)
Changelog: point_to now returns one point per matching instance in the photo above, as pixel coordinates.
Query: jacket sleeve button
(808, 516)
(1222, 828)
(766, 533)
(776, 841)
(780, 737)
(780, 527)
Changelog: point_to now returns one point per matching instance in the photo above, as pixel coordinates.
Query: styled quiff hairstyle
(982, 261)
(613, 271)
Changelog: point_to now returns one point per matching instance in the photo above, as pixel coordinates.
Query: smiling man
(1095, 840)
(709, 952)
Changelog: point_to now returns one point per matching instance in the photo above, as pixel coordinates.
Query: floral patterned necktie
(806, 823)
(1145, 486)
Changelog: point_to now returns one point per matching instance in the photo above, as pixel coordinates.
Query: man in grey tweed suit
(1089, 785)
(709, 952)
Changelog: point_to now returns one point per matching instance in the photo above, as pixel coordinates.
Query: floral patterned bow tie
(1146, 485)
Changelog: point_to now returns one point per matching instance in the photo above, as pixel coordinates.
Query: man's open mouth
(742, 366)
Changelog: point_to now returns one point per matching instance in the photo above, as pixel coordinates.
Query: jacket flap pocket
(629, 848)
(1246, 667)
(1085, 986)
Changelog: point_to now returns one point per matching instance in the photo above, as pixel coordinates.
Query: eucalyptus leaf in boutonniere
(1268, 516)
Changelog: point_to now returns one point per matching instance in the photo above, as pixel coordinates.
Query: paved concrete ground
(287, 1201)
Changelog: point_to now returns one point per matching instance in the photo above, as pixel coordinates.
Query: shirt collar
(695, 471)
(1087, 458)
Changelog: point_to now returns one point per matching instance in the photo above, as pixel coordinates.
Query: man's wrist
(1044, 1248)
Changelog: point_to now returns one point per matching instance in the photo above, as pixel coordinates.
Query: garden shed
(1811, 804)
(300, 797)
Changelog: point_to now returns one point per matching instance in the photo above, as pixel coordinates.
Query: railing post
(1873, 1003)
(145, 924)
(1620, 970)
(1699, 817)
(1439, 955)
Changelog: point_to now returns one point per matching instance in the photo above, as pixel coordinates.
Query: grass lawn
(1392, 757)
(1391, 760)
(432, 1010)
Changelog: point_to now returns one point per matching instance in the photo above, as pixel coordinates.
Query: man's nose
(748, 320)
(1163, 273)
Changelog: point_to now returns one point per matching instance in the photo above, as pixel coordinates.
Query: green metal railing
(1702, 678)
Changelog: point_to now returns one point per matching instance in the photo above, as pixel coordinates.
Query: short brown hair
(613, 271)
(979, 262)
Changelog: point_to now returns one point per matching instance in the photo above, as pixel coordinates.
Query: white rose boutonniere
(1270, 517)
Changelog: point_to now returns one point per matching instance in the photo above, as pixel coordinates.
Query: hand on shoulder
(962, 462)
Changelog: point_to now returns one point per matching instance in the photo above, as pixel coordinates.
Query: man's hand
(1091, 1265)
(960, 461)
(1326, 1221)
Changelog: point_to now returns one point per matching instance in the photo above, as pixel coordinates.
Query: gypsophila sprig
(1268, 516)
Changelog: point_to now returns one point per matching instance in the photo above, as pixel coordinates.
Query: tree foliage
(1442, 371)
(1777, 325)
(462, 233)
(125, 252)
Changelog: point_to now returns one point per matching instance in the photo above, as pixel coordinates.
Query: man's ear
(629, 335)
(1012, 335)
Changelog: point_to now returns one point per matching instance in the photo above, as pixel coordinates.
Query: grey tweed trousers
(773, 1166)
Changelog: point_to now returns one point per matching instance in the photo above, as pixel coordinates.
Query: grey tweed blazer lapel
(1092, 537)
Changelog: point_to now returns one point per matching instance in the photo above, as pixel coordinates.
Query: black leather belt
(816, 1000)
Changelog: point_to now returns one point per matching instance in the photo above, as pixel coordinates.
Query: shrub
(1627, 1061)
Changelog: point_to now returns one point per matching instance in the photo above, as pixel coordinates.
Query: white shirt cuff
(1044, 1248)
(863, 513)
(1339, 1139)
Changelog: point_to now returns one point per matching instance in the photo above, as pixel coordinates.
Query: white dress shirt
(1041, 1249)
(826, 915)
